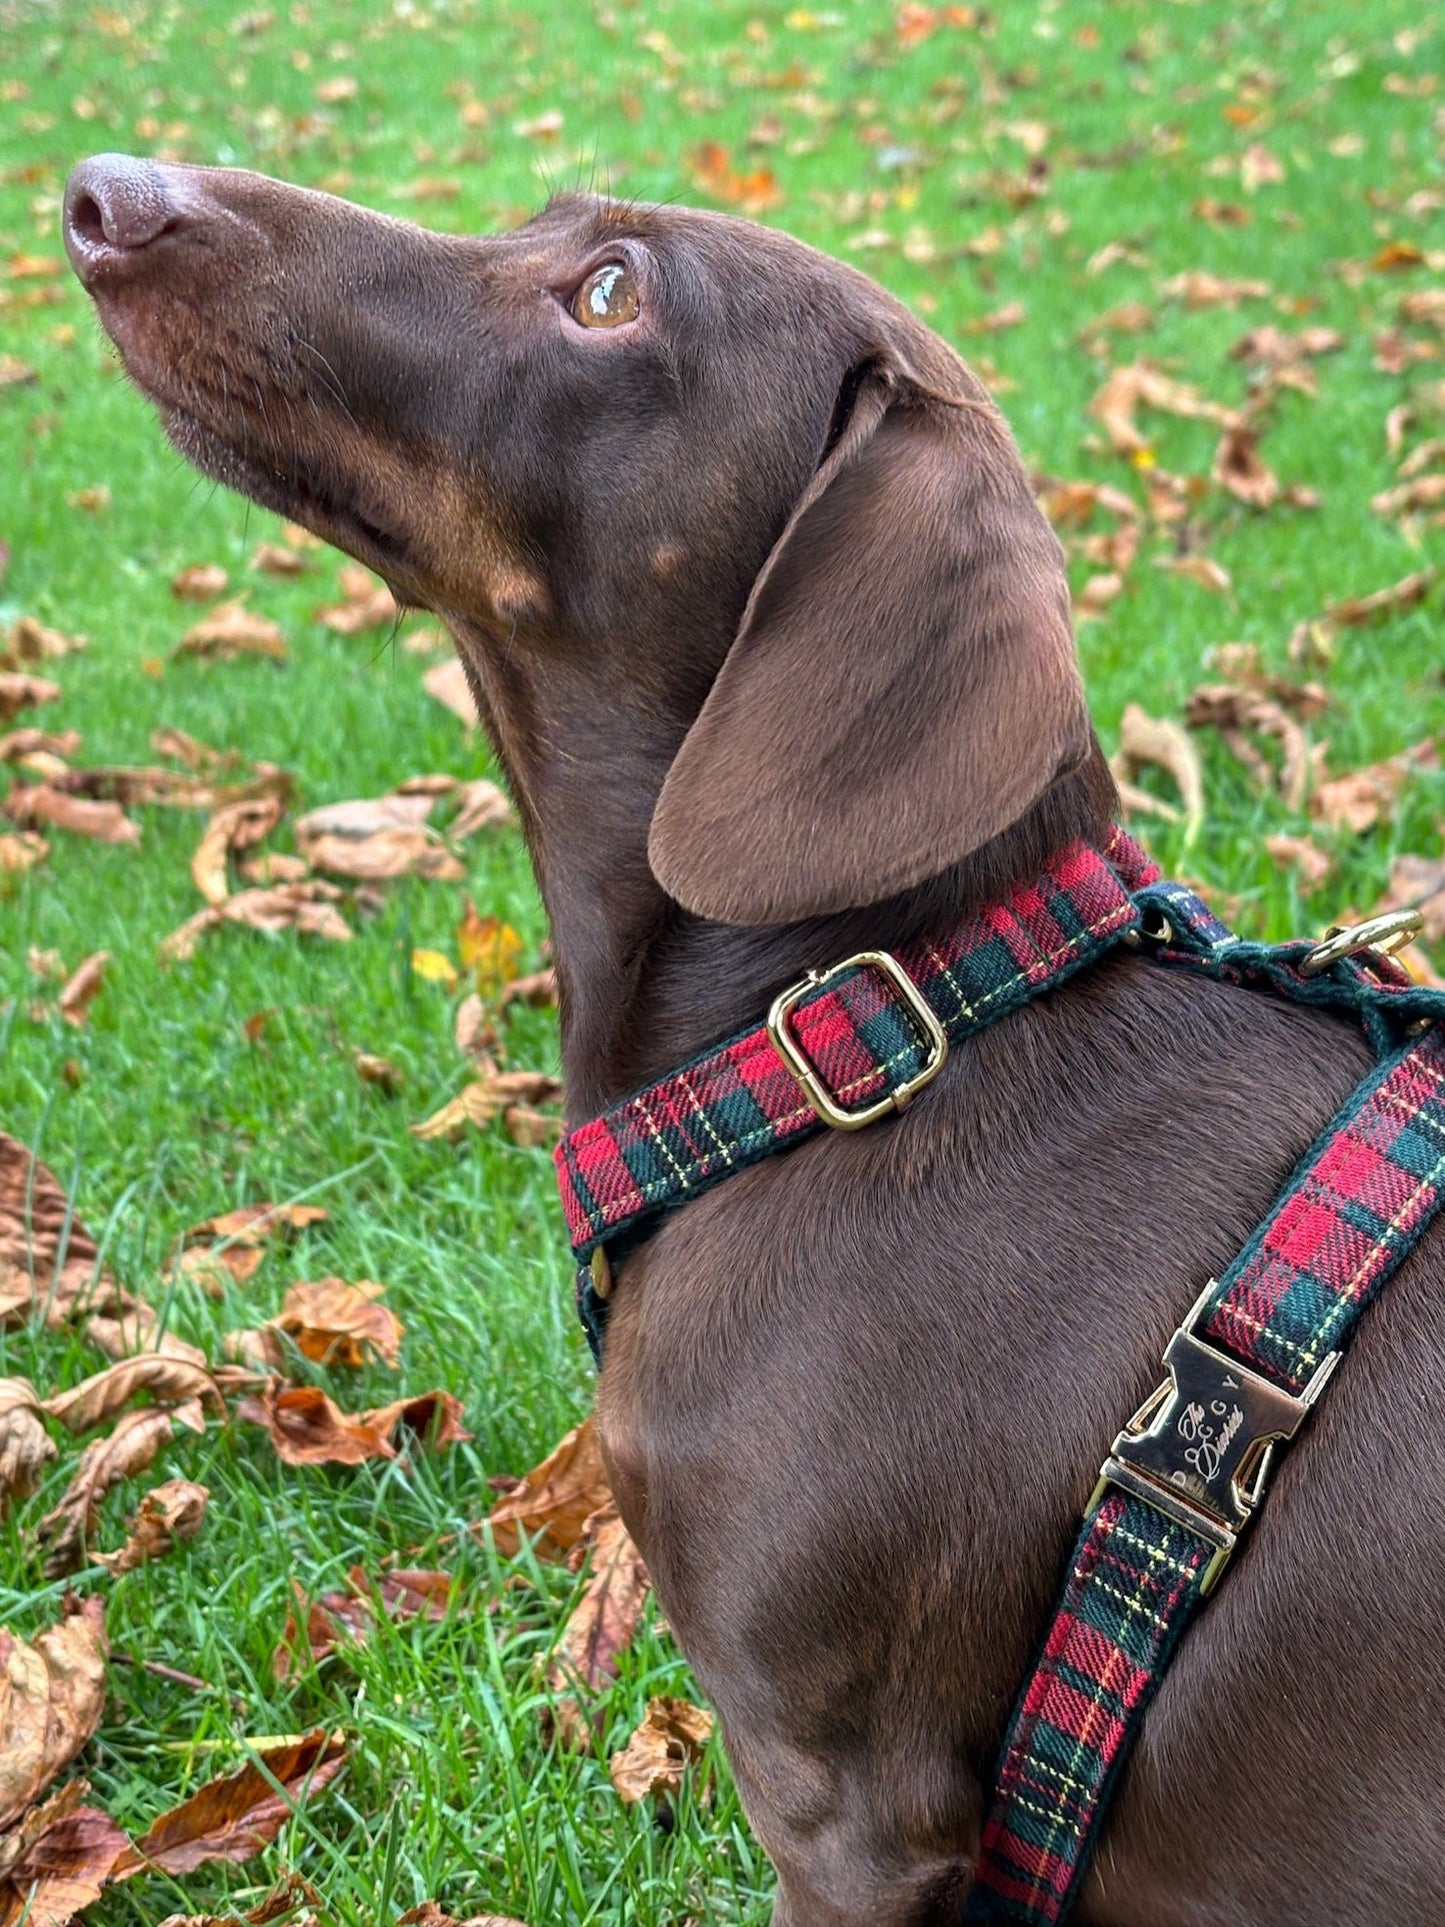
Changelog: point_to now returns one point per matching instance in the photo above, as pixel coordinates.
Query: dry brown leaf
(231, 630)
(26, 1448)
(1357, 801)
(481, 806)
(1405, 594)
(308, 908)
(1202, 569)
(234, 1817)
(17, 1842)
(274, 558)
(19, 690)
(82, 989)
(480, 1103)
(21, 852)
(1197, 288)
(1304, 856)
(24, 746)
(164, 1380)
(540, 991)
(37, 1229)
(306, 1428)
(752, 190)
(239, 826)
(602, 1625)
(332, 1322)
(139, 1331)
(232, 1245)
(1146, 740)
(65, 1870)
(532, 1130)
(385, 856)
(429, 1914)
(1425, 492)
(35, 803)
(52, 1694)
(672, 1735)
(1240, 662)
(380, 1071)
(195, 754)
(121, 1454)
(1240, 713)
(447, 683)
(1238, 468)
(1140, 385)
(32, 641)
(172, 789)
(366, 603)
(285, 1899)
(1097, 594)
(200, 582)
(407, 1593)
(553, 1502)
(171, 1511)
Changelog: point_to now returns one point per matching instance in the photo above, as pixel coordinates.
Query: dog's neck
(643, 984)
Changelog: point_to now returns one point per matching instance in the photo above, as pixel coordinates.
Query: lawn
(1062, 191)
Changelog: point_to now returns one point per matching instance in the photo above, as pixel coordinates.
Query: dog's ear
(903, 685)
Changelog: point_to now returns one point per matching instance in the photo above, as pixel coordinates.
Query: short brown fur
(759, 579)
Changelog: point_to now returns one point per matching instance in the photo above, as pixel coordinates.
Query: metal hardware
(1200, 1448)
(1384, 935)
(814, 1089)
(1153, 927)
(600, 1266)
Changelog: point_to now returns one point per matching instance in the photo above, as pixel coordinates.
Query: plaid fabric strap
(1357, 1203)
(740, 1101)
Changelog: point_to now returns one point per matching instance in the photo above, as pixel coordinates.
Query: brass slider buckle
(1383, 934)
(814, 1089)
(1200, 1448)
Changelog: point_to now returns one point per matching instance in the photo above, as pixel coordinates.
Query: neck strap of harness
(1182, 1479)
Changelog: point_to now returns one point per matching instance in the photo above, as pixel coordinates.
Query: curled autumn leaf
(82, 988)
(172, 1511)
(26, 1448)
(52, 1694)
(335, 1323)
(233, 1245)
(447, 683)
(1141, 385)
(486, 1099)
(1241, 715)
(123, 1453)
(553, 1502)
(20, 690)
(366, 603)
(163, 1379)
(236, 827)
(65, 1868)
(199, 582)
(233, 1817)
(49, 1264)
(29, 804)
(600, 1628)
(308, 908)
(230, 630)
(673, 1734)
(314, 1630)
(307, 1428)
(1357, 801)
(1146, 740)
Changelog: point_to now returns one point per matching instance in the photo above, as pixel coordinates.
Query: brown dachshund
(773, 641)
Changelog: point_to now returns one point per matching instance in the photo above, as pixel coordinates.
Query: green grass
(169, 1113)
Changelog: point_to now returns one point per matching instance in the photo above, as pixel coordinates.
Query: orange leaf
(553, 1503)
(52, 1695)
(336, 1323)
(672, 1735)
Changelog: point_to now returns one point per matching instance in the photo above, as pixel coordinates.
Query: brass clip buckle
(1200, 1448)
(814, 1089)
(1384, 935)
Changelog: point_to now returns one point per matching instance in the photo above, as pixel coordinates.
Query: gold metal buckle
(1383, 934)
(814, 1089)
(1200, 1449)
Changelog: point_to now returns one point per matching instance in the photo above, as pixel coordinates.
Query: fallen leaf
(48, 1260)
(201, 582)
(1202, 569)
(82, 989)
(1146, 740)
(306, 1428)
(308, 908)
(1359, 800)
(1304, 856)
(753, 190)
(121, 1454)
(485, 1100)
(380, 1071)
(239, 826)
(163, 1379)
(672, 1735)
(290, 1895)
(385, 856)
(1259, 167)
(20, 690)
(65, 1870)
(1424, 492)
(23, 745)
(1240, 713)
(26, 1448)
(230, 630)
(29, 804)
(601, 1627)
(52, 1695)
(532, 1130)
(429, 1914)
(366, 604)
(482, 807)
(1198, 289)
(350, 1616)
(445, 681)
(1097, 594)
(33, 641)
(1238, 468)
(172, 1511)
(552, 1503)
(232, 1818)
(274, 558)
(1416, 882)
(1140, 385)
(433, 967)
(489, 948)
(195, 754)
(22, 852)
(540, 991)
(1270, 346)
(235, 1242)
(1405, 594)
(332, 1322)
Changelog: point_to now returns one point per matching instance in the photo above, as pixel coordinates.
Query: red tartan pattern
(740, 1101)
(1357, 1203)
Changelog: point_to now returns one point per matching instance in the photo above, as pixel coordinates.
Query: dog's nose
(115, 208)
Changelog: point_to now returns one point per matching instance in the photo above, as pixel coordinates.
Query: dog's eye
(607, 298)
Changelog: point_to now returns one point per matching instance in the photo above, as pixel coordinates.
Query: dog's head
(665, 463)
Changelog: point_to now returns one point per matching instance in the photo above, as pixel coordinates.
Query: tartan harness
(1185, 1474)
